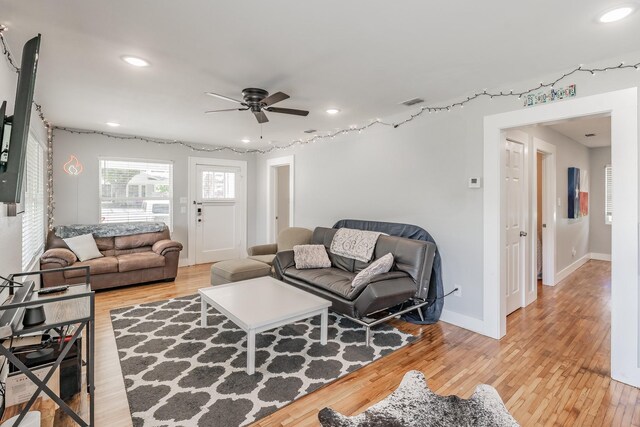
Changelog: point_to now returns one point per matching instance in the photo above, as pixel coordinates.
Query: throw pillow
(311, 256)
(84, 247)
(379, 266)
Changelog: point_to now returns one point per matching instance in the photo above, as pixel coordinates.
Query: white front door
(515, 224)
(218, 213)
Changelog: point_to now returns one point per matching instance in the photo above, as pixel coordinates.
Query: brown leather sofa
(132, 259)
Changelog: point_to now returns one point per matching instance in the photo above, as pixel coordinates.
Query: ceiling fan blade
(260, 116)
(226, 98)
(226, 109)
(287, 111)
(276, 97)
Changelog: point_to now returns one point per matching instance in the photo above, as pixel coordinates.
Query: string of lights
(359, 129)
(48, 125)
(315, 138)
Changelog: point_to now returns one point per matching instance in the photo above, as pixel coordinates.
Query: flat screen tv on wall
(16, 128)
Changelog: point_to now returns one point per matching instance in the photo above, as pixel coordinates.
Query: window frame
(170, 163)
(608, 200)
(28, 261)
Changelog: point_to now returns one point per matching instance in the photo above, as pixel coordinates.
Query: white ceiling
(578, 129)
(361, 56)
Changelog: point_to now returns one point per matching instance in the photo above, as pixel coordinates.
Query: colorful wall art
(578, 205)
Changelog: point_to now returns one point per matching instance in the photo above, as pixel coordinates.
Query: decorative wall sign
(549, 95)
(73, 166)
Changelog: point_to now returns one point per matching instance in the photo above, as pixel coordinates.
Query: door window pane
(218, 185)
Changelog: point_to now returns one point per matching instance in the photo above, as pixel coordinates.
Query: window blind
(608, 200)
(136, 191)
(33, 217)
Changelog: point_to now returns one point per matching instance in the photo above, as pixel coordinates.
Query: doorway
(622, 106)
(530, 191)
(280, 195)
(217, 214)
(544, 189)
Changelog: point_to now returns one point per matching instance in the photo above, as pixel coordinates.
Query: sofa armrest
(163, 247)
(61, 256)
(282, 262)
(267, 249)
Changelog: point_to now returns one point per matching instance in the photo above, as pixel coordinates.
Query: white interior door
(218, 213)
(515, 224)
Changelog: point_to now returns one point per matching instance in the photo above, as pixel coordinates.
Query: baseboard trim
(463, 321)
(566, 272)
(601, 257)
(184, 262)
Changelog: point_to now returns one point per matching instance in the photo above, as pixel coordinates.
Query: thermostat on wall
(474, 182)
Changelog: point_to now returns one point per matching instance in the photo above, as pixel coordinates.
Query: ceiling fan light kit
(258, 101)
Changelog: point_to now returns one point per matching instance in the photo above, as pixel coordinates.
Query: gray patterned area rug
(178, 373)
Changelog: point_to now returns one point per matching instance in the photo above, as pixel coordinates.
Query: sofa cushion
(267, 259)
(311, 256)
(379, 266)
(107, 264)
(137, 240)
(84, 247)
(331, 279)
(139, 261)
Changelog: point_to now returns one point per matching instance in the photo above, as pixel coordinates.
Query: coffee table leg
(203, 312)
(323, 325)
(251, 352)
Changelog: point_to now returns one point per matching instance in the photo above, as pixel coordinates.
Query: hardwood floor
(552, 368)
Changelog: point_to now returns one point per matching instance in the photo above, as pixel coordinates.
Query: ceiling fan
(259, 101)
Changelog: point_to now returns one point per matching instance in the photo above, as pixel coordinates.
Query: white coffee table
(260, 304)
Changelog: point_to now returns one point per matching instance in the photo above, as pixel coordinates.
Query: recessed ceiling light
(616, 14)
(135, 61)
(246, 140)
(333, 111)
(113, 124)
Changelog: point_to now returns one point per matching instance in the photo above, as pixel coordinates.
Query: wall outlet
(573, 252)
(457, 293)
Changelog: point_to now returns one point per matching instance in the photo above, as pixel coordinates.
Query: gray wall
(418, 174)
(570, 233)
(77, 199)
(599, 232)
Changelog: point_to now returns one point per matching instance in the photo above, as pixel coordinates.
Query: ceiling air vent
(310, 131)
(589, 135)
(413, 101)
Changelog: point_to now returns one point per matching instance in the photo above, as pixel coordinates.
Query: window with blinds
(608, 200)
(136, 191)
(33, 217)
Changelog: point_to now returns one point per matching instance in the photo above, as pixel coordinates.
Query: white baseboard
(563, 274)
(601, 257)
(184, 262)
(463, 321)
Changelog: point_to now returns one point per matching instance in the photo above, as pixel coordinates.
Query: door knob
(523, 234)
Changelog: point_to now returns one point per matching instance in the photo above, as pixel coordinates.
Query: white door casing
(622, 105)
(548, 212)
(272, 165)
(515, 221)
(217, 224)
